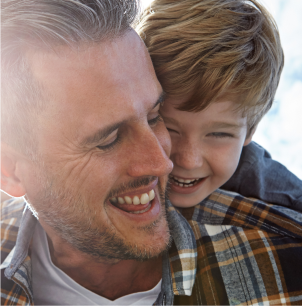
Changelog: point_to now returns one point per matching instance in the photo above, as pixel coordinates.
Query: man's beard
(77, 224)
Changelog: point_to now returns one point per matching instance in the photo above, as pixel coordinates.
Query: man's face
(206, 148)
(101, 142)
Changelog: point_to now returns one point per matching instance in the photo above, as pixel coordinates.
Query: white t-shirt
(51, 286)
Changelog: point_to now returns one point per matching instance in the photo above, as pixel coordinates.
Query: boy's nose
(188, 159)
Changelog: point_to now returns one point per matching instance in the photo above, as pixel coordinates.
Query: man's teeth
(136, 200)
(184, 183)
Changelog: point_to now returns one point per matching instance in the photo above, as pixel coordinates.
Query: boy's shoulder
(232, 209)
(247, 251)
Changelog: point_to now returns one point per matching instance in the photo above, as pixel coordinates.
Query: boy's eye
(171, 130)
(221, 135)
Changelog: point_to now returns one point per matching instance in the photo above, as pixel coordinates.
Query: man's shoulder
(12, 209)
(11, 215)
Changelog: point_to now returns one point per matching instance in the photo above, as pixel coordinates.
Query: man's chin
(153, 242)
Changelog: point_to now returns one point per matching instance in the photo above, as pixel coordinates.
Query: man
(97, 135)
(82, 138)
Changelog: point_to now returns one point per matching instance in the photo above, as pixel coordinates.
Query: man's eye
(155, 120)
(221, 135)
(110, 142)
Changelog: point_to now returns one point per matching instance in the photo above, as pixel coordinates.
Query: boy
(220, 64)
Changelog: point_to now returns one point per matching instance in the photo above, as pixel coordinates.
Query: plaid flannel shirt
(228, 250)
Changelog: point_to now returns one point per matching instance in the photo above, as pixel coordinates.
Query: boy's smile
(206, 148)
(185, 185)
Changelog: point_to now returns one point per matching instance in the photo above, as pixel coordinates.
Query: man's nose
(149, 155)
(187, 157)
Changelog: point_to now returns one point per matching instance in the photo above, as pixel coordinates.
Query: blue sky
(280, 131)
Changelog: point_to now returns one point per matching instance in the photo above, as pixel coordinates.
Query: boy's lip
(185, 178)
(187, 190)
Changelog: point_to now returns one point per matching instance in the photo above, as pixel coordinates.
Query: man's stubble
(66, 212)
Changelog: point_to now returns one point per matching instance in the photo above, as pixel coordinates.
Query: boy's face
(206, 148)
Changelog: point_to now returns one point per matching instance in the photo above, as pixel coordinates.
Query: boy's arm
(259, 176)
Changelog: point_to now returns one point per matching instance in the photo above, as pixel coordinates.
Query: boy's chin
(187, 200)
(190, 196)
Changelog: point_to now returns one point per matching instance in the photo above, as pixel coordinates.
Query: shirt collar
(183, 253)
(20, 251)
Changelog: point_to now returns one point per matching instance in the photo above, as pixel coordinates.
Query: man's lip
(138, 191)
(149, 215)
(130, 207)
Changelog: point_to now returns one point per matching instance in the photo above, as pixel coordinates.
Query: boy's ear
(10, 182)
(249, 138)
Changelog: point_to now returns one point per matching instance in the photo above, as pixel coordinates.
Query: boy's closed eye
(171, 130)
(221, 135)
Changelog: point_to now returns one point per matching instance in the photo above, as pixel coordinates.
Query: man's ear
(10, 182)
(249, 138)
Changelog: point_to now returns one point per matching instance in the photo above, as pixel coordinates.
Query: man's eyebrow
(101, 134)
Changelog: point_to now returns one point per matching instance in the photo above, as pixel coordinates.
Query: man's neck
(109, 278)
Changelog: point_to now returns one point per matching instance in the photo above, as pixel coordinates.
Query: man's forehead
(111, 54)
(105, 68)
(101, 84)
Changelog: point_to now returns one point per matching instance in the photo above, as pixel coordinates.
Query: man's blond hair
(207, 48)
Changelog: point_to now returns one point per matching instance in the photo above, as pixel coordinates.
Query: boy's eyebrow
(104, 132)
(221, 124)
(214, 124)
(170, 120)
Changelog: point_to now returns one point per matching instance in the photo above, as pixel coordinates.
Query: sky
(280, 131)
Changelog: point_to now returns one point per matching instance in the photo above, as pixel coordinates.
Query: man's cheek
(164, 138)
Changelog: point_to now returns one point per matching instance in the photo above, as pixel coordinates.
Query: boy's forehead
(226, 106)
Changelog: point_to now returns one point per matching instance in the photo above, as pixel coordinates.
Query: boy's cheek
(227, 161)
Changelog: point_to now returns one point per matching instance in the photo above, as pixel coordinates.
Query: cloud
(281, 129)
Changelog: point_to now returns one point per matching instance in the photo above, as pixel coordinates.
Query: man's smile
(138, 201)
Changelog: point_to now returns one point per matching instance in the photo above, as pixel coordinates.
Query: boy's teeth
(182, 182)
(144, 199)
(179, 180)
